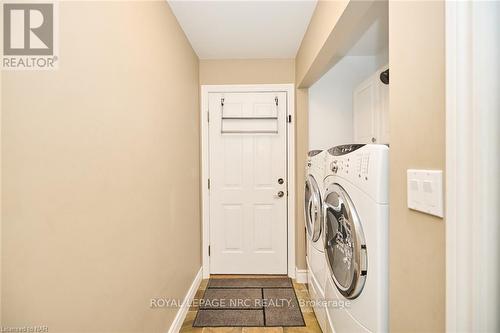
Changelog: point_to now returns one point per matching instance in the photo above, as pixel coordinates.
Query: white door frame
(205, 165)
(472, 164)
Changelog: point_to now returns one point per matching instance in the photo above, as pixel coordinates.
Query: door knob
(280, 181)
(281, 194)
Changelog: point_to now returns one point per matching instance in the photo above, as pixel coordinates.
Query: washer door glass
(345, 246)
(312, 208)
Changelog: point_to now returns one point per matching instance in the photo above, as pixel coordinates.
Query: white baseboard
(183, 310)
(301, 275)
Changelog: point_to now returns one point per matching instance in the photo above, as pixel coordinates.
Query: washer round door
(345, 247)
(312, 208)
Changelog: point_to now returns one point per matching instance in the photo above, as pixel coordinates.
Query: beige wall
(417, 125)
(323, 21)
(247, 71)
(301, 148)
(1, 225)
(101, 174)
(335, 28)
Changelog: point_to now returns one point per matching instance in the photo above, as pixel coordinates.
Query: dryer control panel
(315, 164)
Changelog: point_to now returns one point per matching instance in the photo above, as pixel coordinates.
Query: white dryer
(356, 217)
(313, 210)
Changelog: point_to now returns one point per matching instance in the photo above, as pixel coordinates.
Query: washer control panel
(367, 167)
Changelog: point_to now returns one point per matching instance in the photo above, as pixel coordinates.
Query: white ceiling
(244, 29)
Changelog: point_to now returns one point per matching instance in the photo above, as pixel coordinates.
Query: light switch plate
(425, 191)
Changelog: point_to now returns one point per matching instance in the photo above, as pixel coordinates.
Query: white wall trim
(452, 167)
(205, 170)
(300, 275)
(472, 163)
(183, 310)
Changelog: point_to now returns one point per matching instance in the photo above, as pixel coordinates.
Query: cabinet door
(371, 110)
(364, 109)
(383, 110)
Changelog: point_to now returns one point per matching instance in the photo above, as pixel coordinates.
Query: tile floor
(312, 325)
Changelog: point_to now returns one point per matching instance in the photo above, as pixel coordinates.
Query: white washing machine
(313, 209)
(356, 220)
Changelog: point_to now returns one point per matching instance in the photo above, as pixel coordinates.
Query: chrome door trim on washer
(344, 241)
(313, 208)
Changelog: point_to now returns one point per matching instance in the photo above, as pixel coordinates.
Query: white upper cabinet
(383, 95)
(364, 106)
(371, 110)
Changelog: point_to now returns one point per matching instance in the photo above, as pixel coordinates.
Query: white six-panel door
(248, 170)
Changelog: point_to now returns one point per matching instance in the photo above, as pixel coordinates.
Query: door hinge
(276, 100)
(289, 118)
(209, 250)
(208, 116)
(209, 183)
